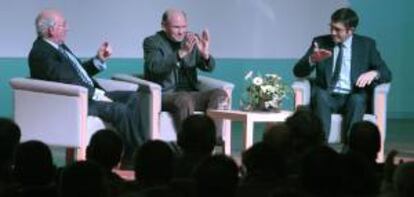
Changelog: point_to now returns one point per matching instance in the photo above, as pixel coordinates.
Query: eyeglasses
(337, 28)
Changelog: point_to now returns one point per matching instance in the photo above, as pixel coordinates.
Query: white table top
(255, 116)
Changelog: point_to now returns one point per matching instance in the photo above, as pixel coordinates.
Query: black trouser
(125, 115)
(352, 107)
(182, 104)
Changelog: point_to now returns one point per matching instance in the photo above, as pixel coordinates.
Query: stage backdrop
(239, 28)
(261, 35)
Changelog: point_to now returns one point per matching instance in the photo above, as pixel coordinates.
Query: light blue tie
(76, 65)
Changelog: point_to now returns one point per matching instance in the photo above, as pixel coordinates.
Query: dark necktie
(75, 66)
(338, 65)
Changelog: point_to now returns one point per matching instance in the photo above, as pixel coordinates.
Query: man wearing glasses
(347, 66)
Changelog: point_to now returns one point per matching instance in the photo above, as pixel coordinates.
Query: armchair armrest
(150, 98)
(210, 83)
(47, 87)
(302, 90)
(207, 83)
(112, 85)
(50, 111)
(382, 88)
(142, 83)
(380, 106)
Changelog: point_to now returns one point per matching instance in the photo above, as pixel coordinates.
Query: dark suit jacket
(47, 63)
(365, 57)
(162, 65)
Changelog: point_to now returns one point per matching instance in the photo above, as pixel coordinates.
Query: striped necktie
(338, 66)
(76, 65)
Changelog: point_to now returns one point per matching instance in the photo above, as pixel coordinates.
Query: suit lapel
(355, 54)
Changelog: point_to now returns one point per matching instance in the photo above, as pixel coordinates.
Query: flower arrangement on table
(263, 92)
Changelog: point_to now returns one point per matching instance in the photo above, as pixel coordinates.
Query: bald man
(172, 58)
(50, 59)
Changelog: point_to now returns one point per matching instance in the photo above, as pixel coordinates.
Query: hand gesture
(188, 44)
(104, 52)
(318, 54)
(366, 78)
(203, 44)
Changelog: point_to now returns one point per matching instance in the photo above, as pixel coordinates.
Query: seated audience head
(154, 163)
(105, 148)
(404, 179)
(198, 135)
(306, 130)
(217, 175)
(278, 137)
(83, 179)
(34, 164)
(321, 172)
(365, 139)
(263, 162)
(359, 175)
(9, 139)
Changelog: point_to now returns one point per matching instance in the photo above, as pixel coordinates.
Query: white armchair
(160, 124)
(302, 90)
(57, 113)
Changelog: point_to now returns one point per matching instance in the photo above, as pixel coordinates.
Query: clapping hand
(203, 44)
(319, 54)
(189, 42)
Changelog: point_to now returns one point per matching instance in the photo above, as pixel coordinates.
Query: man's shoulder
(362, 38)
(157, 37)
(41, 46)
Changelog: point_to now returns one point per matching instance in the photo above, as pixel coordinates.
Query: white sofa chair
(57, 113)
(302, 90)
(160, 124)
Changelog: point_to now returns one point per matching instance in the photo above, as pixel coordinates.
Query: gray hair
(43, 23)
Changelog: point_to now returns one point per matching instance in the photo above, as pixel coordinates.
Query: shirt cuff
(98, 94)
(100, 65)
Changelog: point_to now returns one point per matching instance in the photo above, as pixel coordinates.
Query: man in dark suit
(347, 66)
(171, 58)
(50, 59)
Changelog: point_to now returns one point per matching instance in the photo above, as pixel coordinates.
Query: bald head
(174, 24)
(172, 14)
(51, 24)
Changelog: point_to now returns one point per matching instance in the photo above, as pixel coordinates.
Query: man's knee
(219, 99)
(183, 100)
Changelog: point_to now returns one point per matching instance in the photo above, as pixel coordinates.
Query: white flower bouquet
(263, 92)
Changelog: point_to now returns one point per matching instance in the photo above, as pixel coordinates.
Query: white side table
(248, 118)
